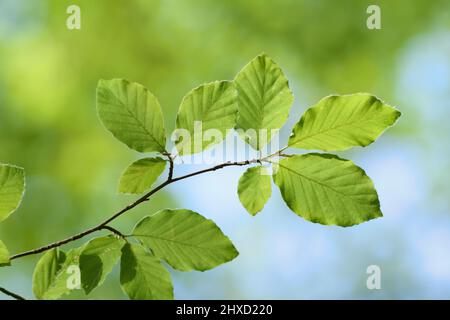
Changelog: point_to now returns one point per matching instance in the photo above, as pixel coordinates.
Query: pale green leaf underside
(12, 187)
(341, 122)
(254, 189)
(264, 100)
(97, 260)
(4, 255)
(215, 106)
(185, 240)
(141, 175)
(142, 276)
(50, 278)
(132, 114)
(325, 189)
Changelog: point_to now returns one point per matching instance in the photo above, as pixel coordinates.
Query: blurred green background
(48, 125)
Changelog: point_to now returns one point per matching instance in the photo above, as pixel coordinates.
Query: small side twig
(11, 294)
(171, 166)
(115, 231)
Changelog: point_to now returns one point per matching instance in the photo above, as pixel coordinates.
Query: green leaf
(185, 240)
(214, 105)
(4, 255)
(341, 122)
(264, 100)
(46, 270)
(12, 188)
(142, 276)
(52, 272)
(140, 175)
(97, 260)
(132, 114)
(254, 189)
(326, 189)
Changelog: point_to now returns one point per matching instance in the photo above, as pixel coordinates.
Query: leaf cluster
(319, 187)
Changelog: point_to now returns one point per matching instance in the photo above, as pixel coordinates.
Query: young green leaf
(254, 189)
(4, 255)
(140, 175)
(185, 240)
(52, 272)
(213, 107)
(97, 260)
(142, 276)
(12, 188)
(264, 100)
(132, 114)
(327, 189)
(46, 270)
(341, 122)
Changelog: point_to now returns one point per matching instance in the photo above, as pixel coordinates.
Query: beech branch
(104, 225)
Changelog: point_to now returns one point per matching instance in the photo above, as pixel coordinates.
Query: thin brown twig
(104, 225)
(171, 166)
(145, 197)
(11, 294)
(115, 231)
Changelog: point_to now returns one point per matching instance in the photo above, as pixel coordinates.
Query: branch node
(113, 230)
(171, 165)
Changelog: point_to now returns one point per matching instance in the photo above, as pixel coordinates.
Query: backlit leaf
(4, 255)
(326, 189)
(142, 276)
(12, 188)
(264, 100)
(52, 272)
(208, 109)
(132, 114)
(140, 175)
(341, 122)
(97, 260)
(254, 189)
(185, 240)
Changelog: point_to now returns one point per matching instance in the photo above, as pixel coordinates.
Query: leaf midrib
(122, 104)
(174, 241)
(332, 128)
(320, 183)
